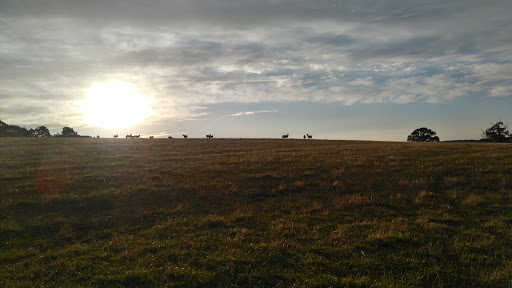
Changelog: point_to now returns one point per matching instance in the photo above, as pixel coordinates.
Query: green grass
(254, 213)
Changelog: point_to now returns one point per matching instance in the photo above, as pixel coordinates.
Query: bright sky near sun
(336, 69)
(114, 105)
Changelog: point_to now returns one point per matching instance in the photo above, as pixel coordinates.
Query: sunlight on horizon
(114, 105)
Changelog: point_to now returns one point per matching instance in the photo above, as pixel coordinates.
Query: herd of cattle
(209, 136)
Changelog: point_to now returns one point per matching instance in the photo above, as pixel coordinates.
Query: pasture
(254, 213)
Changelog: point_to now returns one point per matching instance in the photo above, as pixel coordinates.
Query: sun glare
(114, 105)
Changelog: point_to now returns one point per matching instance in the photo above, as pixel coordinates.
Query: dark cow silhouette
(209, 136)
(115, 136)
(185, 136)
(170, 137)
(285, 136)
(309, 136)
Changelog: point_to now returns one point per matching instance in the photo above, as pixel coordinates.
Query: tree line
(498, 132)
(7, 130)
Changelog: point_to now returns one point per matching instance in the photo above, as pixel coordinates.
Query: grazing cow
(209, 136)
(185, 136)
(151, 137)
(129, 136)
(115, 136)
(309, 136)
(285, 136)
(136, 136)
(170, 137)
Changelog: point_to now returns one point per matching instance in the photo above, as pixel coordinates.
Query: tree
(3, 129)
(496, 133)
(41, 131)
(17, 131)
(423, 135)
(7, 130)
(68, 132)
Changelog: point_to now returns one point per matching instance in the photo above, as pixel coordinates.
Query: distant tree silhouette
(423, 135)
(68, 132)
(41, 131)
(7, 130)
(498, 132)
(18, 131)
(3, 129)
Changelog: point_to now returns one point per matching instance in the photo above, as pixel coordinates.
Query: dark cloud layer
(245, 13)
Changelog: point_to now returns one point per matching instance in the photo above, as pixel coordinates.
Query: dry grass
(257, 213)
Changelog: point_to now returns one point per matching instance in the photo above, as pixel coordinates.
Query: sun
(114, 105)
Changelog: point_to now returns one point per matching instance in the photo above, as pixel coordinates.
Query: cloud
(189, 54)
(432, 89)
(493, 77)
(252, 113)
(363, 82)
(502, 91)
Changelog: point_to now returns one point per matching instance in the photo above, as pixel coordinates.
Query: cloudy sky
(337, 69)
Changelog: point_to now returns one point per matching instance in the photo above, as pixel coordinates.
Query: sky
(335, 69)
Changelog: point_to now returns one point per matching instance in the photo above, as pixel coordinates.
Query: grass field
(254, 213)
